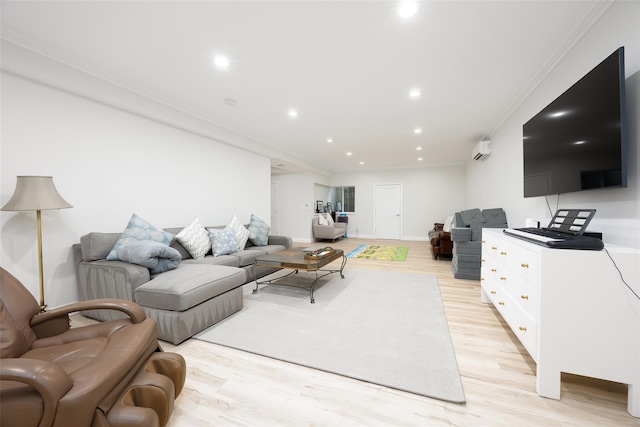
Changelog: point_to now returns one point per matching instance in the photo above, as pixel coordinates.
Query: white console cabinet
(569, 308)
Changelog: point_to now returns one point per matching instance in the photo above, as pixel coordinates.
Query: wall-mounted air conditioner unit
(481, 151)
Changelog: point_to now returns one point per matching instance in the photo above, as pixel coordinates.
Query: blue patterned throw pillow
(242, 234)
(138, 229)
(258, 231)
(223, 241)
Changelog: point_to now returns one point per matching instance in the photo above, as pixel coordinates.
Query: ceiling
(347, 67)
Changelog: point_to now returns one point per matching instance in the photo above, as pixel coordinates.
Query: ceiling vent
(481, 151)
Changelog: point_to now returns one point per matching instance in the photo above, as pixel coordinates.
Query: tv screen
(579, 141)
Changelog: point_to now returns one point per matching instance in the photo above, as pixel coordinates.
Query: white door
(275, 195)
(388, 215)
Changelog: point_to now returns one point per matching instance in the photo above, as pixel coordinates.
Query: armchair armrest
(56, 321)
(49, 380)
(131, 309)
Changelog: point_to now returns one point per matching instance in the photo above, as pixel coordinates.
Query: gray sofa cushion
(469, 248)
(272, 248)
(494, 216)
(248, 256)
(188, 285)
(460, 234)
(228, 260)
(175, 244)
(470, 216)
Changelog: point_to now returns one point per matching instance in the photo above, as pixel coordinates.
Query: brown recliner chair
(105, 374)
(440, 240)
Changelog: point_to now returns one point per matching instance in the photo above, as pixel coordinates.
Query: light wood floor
(227, 387)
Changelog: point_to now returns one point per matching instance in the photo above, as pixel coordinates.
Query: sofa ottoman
(190, 298)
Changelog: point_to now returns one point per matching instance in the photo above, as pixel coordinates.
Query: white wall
(498, 180)
(109, 163)
(298, 203)
(429, 195)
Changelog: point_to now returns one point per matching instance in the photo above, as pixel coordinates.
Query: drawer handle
(482, 278)
(483, 241)
(524, 265)
(503, 253)
(493, 270)
(524, 296)
(493, 292)
(501, 303)
(494, 247)
(481, 260)
(523, 328)
(503, 278)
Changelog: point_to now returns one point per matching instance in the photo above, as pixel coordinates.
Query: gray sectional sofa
(466, 235)
(182, 301)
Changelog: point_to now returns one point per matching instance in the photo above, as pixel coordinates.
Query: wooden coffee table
(293, 259)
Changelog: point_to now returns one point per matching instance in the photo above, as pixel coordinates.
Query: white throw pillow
(195, 239)
(322, 220)
(329, 219)
(240, 231)
(448, 224)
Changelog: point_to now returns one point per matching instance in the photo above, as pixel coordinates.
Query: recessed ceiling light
(349, 153)
(417, 130)
(330, 140)
(362, 163)
(293, 113)
(415, 93)
(419, 159)
(407, 9)
(418, 148)
(221, 61)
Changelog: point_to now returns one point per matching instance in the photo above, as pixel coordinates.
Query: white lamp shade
(35, 193)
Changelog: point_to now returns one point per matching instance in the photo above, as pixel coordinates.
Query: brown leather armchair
(105, 374)
(440, 240)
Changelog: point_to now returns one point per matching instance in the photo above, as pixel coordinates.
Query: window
(346, 196)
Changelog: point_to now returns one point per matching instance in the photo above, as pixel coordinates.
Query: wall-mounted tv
(579, 141)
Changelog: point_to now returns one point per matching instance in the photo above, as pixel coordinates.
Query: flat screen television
(579, 141)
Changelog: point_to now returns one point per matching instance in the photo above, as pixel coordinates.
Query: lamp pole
(43, 306)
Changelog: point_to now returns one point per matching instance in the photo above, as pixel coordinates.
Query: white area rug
(381, 327)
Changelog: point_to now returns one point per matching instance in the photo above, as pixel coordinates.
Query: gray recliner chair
(467, 237)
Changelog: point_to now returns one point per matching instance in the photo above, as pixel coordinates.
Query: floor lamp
(36, 193)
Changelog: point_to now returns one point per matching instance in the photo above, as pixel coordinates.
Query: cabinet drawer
(493, 291)
(519, 260)
(524, 295)
(523, 326)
